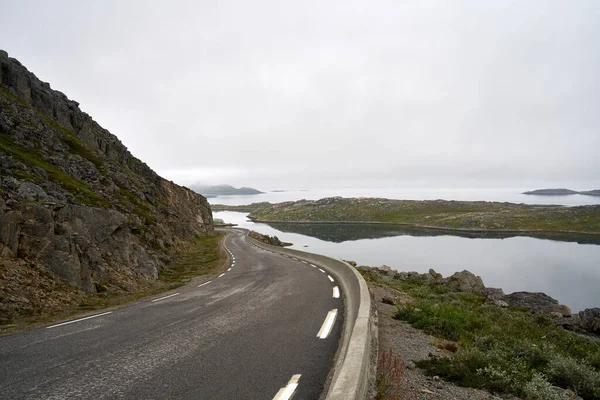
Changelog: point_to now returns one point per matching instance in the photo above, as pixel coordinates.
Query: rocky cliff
(78, 212)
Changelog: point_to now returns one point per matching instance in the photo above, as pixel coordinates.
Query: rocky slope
(78, 212)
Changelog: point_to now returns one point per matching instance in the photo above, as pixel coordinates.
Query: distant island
(223, 190)
(562, 192)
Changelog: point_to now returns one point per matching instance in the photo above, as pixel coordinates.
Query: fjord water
(566, 268)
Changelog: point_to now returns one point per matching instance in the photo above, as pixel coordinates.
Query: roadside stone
(536, 302)
(590, 320)
(388, 299)
(466, 281)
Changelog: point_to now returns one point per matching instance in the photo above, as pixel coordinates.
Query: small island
(223, 190)
(562, 192)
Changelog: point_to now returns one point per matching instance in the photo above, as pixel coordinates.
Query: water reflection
(339, 233)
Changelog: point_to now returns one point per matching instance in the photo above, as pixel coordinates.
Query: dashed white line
(321, 270)
(294, 258)
(312, 265)
(221, 275)
(286, 393)
(327, 324)
(166, 297)
(229, 269)
(78, 320)
(304, 262)
(330, 278)
(336, 292)
(205, 283)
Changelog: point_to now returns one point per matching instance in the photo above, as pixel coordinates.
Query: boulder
(435, 275)
(536, 302)
(465, 281)
(389, 299)
(590, 320)
(493, 293)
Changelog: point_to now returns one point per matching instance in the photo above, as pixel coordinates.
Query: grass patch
(78, 189)
(204, 256)
(500, 349)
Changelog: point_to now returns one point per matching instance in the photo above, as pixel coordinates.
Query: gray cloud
(331, 93)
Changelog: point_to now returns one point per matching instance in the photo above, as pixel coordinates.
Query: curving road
(264, 329)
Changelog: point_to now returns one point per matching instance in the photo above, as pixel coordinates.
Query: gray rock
(590, 320)
(465, 281)
(499, 303)
(493, 293)
(536, 302)
(31, 191)
(434, 274)
(388, 299)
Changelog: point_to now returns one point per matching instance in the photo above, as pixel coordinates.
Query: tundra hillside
(453, 215)
(78, 213)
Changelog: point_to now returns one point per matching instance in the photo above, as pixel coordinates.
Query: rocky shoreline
(272, 240)
(586, 321)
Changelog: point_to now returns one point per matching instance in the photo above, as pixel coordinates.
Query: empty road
(267, 328)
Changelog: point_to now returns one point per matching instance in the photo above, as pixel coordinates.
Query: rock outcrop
(75, 204)
(272, 240)
(536, 302)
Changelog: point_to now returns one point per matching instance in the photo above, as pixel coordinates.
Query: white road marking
(286, 393)
(312, 265)
(77, 320)
(221, 275)
(294, 258)
(304, 262)
(321, 270)
(336, 292)
(229, 269)
(330, 278)
(166, 297)
(205, 283)
(327, 325)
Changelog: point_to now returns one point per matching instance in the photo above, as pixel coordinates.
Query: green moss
(77, 188)
(75, 144)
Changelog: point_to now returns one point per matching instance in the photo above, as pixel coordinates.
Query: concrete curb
(353, 369)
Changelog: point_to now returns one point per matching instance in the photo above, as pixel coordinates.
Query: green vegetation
(441, 214)
(203, 257)
(75, 144)
(245, 208)
(500, 349)
(78, 189)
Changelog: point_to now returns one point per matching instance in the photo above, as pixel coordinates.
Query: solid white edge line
(330, 278)
(288, 391)
(77, 320)
(327, 324)
(336, 292)
(321, 270)
(205, 283)
(221, 275)
(166, 297)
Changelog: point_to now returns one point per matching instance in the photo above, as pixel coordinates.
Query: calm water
(569, 271)
(502, 195)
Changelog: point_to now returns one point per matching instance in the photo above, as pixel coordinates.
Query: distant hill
(223, 190)
(595, 192)
(552, 192)
(562, 192)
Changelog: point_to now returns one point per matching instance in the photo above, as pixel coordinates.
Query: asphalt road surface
(265, 329)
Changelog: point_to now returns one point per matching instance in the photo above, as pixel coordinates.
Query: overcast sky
(282, 94)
